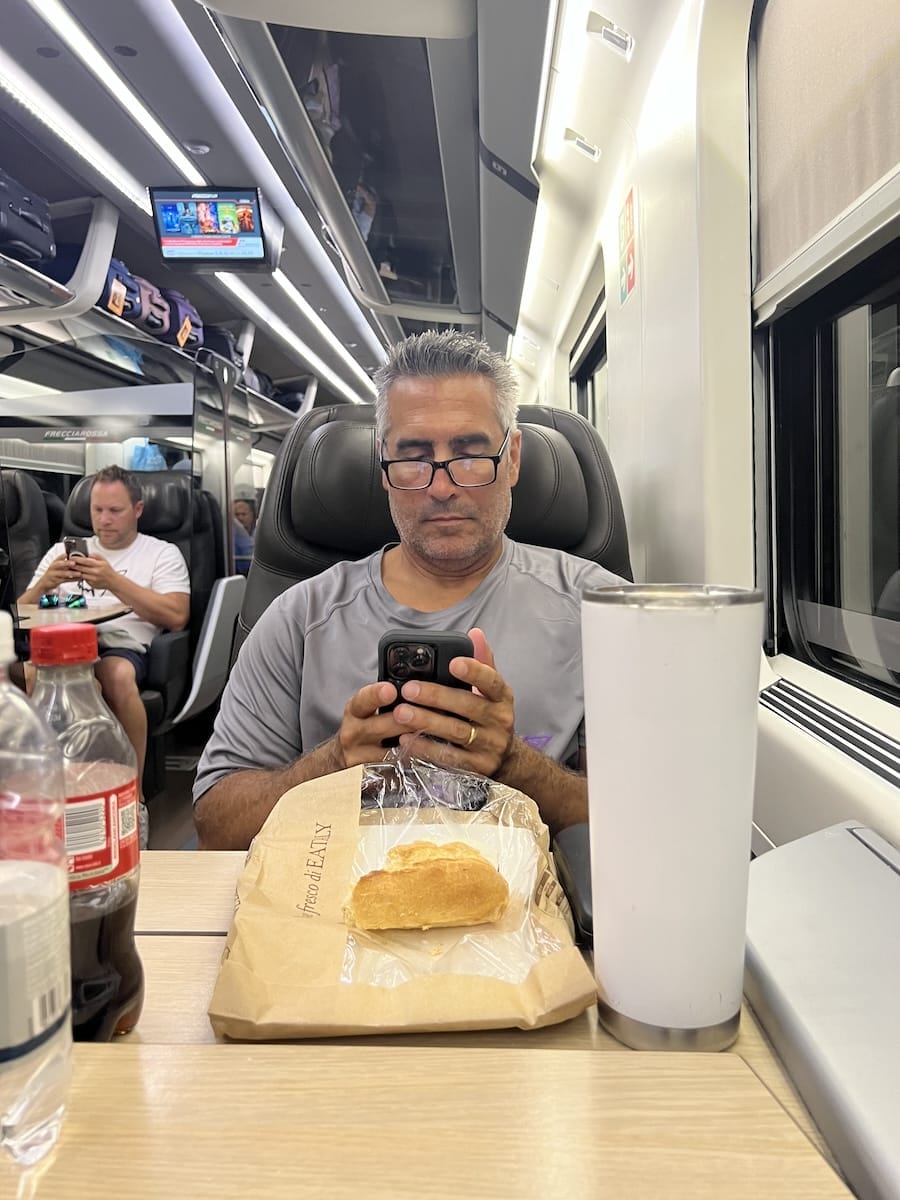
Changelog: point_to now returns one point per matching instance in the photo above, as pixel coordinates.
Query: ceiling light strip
(266, 319)
(59, 20)
(23, 89)
(316, 321)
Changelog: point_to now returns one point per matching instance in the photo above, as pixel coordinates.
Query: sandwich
(426, 886)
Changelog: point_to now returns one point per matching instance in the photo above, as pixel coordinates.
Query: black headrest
(10, 497)
(337, 498)
(167, 504)
(325, 501)
(22, 502)
(24, 528)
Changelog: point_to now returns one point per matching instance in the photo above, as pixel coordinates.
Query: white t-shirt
(149, 562)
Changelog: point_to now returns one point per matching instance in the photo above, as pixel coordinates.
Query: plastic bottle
(35, 1030)
(101, 789)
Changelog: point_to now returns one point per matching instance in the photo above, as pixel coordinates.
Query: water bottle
(101, 821)
(35, 1029)
(671, 681)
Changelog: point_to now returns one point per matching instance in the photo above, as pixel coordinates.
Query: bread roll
(425, 886)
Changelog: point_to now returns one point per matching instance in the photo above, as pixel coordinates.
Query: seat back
(56, 511)
(325, 501)
(24, 515)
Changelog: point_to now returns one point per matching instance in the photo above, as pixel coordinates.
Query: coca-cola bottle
(101, 831)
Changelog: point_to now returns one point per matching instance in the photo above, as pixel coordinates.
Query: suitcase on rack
(26, 232)
(259, 381)
(152, 314)
(185, 323)
(266, 386)
(223, 342)
(121, 294)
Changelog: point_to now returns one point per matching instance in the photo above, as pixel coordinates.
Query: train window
(836, 413)
(588, 383)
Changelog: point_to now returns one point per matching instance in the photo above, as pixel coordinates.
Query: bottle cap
(63, 645)
(7, 646)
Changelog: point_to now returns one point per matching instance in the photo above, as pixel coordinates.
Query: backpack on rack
(26, 232)
(222, 341)
(121, 294)
(185, 323)
(153, 312)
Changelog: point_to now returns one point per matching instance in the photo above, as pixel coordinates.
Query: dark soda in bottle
(101, 831)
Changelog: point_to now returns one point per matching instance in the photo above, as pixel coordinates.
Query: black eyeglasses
(467, 470)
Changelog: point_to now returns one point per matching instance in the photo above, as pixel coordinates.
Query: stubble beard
(468, 547)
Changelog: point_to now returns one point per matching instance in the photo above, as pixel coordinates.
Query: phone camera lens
(401, 670)
(421, 657)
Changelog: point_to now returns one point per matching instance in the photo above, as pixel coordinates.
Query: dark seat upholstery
(56, 513)
(325, 501)
(25, 517)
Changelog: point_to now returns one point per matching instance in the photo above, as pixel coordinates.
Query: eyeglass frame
(445, 466)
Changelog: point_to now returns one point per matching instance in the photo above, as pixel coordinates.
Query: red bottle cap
(62, 645)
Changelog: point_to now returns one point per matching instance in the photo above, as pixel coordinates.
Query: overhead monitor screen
(211, 225)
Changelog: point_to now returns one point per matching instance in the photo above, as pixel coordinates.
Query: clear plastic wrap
(407, 800)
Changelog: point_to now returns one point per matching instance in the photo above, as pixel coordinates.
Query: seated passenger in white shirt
(122, 566)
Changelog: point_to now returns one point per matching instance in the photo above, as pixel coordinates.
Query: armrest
(169, 667)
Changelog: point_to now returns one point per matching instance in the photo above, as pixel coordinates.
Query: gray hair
(434, 355)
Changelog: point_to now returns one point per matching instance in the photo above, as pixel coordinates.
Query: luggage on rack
(152, 313)
(185, 324)
(266, 386)
(259, 381)
(290, 400)
(251, 379)
(121, 294)
(26, 232)
(222, 341)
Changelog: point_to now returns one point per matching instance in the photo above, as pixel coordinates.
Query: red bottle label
(102, 835)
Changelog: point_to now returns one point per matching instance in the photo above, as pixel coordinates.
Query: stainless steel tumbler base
(641, 1036)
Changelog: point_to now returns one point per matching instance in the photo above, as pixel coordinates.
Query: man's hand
(363, 728)
(479, 732)
(97, 573)
(61, 570)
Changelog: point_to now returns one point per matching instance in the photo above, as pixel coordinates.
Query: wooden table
(331, 1121)
(32, 615)
(484, 1114)
(185, 907)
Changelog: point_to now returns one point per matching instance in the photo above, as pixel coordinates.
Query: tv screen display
(221, 226)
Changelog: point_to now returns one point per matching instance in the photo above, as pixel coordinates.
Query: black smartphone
(403, 655)
(75, 545)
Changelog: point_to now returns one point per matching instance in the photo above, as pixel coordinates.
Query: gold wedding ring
(473, 733)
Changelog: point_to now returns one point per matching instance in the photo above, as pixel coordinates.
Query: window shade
(828, 99)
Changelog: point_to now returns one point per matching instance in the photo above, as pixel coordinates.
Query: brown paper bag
(292, 968)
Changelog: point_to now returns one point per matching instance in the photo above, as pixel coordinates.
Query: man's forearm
(234, 810)
(168, 610)
(560, 794)
(33, 594)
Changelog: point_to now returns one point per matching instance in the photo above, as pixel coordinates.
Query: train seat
(325, 501)
(56, 513)
(24, 514)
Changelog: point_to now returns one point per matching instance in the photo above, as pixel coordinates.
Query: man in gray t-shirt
(301, 701)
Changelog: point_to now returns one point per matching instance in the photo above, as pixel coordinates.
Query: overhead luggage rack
(19, 283)
(37, 297)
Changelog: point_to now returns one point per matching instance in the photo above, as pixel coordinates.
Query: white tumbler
(671, 678)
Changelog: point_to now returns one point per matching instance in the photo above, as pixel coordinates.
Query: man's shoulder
(559, 569)
(146, 543)
(336, 583)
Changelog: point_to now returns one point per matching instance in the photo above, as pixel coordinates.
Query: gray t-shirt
(317, 644)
